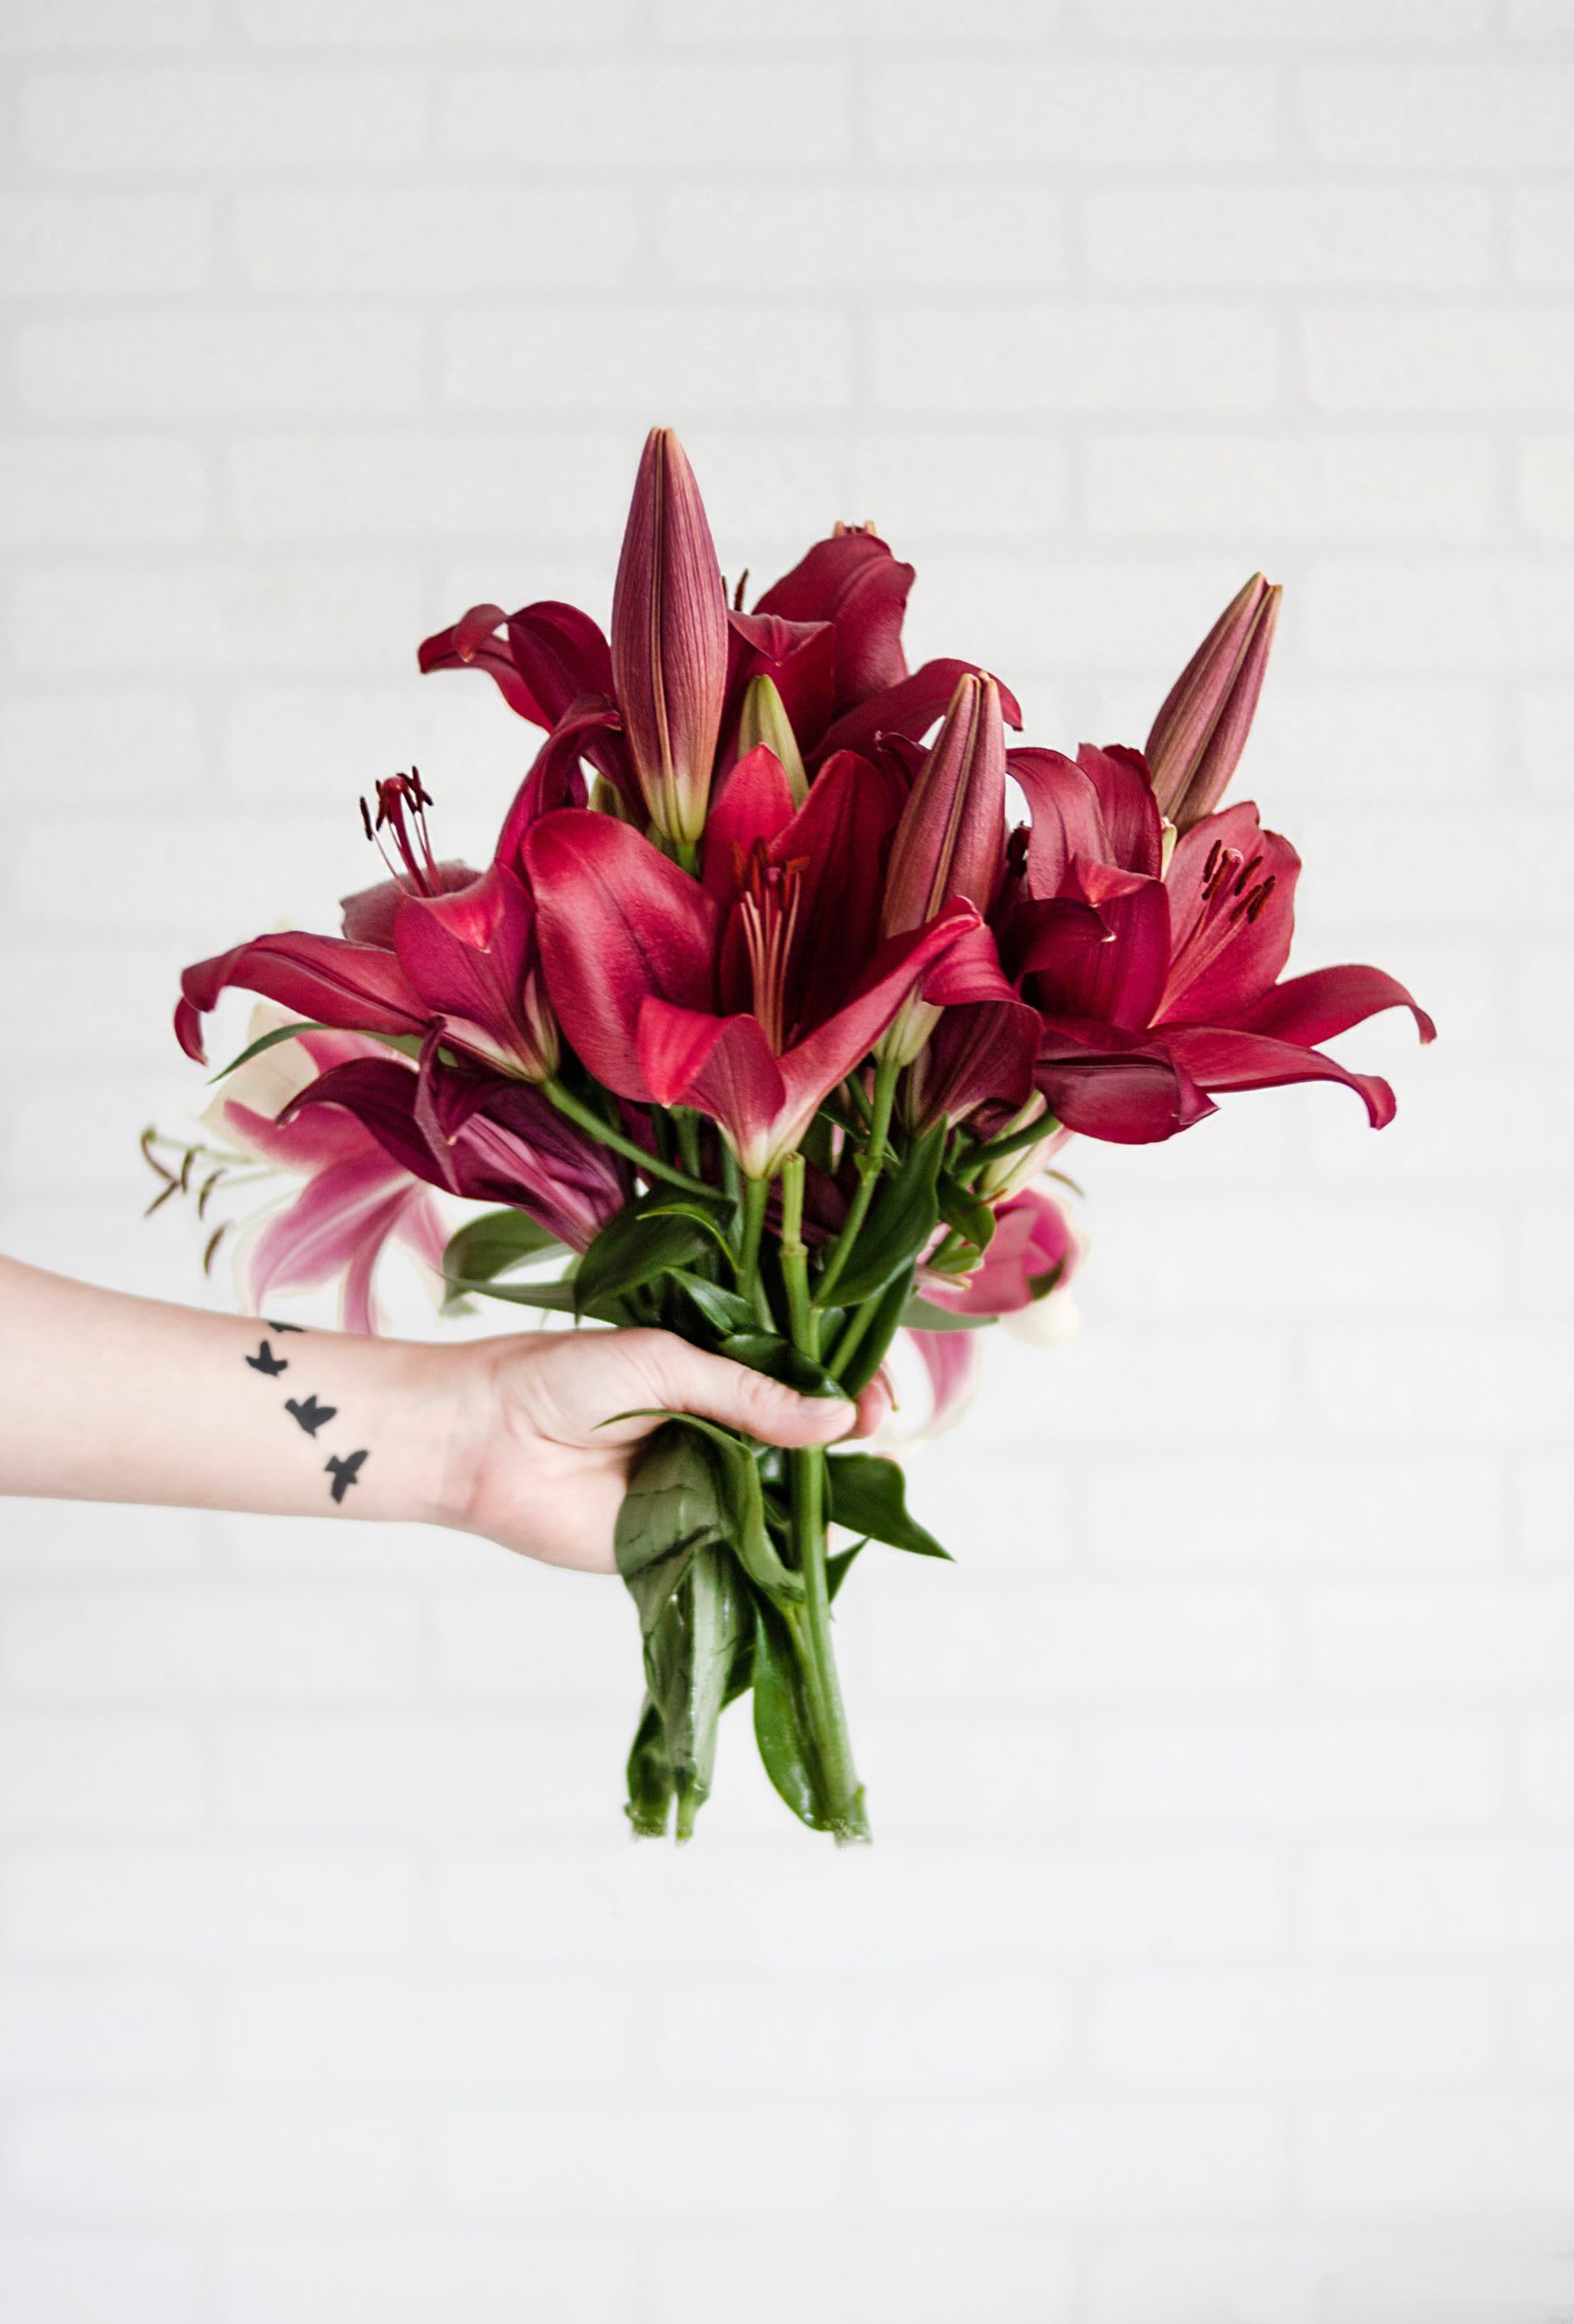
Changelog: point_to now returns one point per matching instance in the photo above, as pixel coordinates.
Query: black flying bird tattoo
(266, 1360)
(345, 1473)
(282, 1327)
(311, 1415)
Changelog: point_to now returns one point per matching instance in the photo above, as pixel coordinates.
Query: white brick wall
(1216, 1963)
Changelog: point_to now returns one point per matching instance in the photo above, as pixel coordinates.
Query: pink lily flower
(356, 1200)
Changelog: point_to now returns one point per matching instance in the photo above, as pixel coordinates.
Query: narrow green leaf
(920, 1314)
(869, 1495)
(632, 1249)
(489, 1245)
(268, 1041)
(690, 1656)
(781, 1724)
(740, 1507)
(971, 1217)
(767, 1352)
(724, 1310)
(873, 1349)
(651, 1780)
(838, 1568)
(903, 1217)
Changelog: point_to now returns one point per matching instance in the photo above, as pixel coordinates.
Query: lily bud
(669, 641)
(1201, 731)
(763, 719)
(1012, 1172)
(950, 839)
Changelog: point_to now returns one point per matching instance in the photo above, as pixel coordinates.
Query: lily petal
(1131, 1096)
(551, 654)
(852, 581)
(721, 1065)
(1218, 1058)
(908, 709)
(358, 986)
(617, 924)
(1325, 1001)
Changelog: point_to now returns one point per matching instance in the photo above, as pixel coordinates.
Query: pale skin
(105, 1397)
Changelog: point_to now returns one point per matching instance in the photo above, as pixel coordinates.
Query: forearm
(109, 1398)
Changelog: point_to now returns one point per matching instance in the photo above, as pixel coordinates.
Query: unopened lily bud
(952, 831)
(1199, 734)
(951, 839)
(669, 641)
(1012, 1172)
(763, 719)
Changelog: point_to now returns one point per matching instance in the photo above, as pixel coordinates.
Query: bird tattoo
(345, 1473)
(311, 1415)
(266, 1360)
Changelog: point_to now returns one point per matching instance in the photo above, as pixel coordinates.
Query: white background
(1216, 1964)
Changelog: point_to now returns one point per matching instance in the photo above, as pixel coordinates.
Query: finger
(685, 1379)
(875, 1406)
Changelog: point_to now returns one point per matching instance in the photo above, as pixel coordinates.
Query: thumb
(685, 1379)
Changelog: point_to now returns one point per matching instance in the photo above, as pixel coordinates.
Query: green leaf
(669, 1511)
(869, 1495)
(838, 1568)
(659, 1204)
(489, 1245)
(903, 1217)
(634, 1248)
(724, 1310)
(781, 1724)
(690, 1656)
(407, 1044)
(921, 1315)
(268, 1041)
(738, 1501)
(870, 1352)
(559, 1298)
(767, 1352)
(651, 1780)
(971, 1219)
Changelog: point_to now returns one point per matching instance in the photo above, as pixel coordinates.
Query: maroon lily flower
(437, 945)
(752, 993)
(827, 636)
(1154, 991)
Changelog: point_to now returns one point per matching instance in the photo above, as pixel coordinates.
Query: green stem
(852, 1337)
(870, 1163)
(1034, 1134)
(844, 1794)
(688, 1128)
(756, 1197)
(802, 1321)
(651, 1164)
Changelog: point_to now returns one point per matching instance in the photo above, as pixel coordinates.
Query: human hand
(534, 1463)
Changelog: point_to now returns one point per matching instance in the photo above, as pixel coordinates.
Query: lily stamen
(401, 808)
(768, 911)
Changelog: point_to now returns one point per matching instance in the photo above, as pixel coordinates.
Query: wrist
(435, 1401)
(449, 1416)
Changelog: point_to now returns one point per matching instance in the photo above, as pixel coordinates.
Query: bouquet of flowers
(765, 1024)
